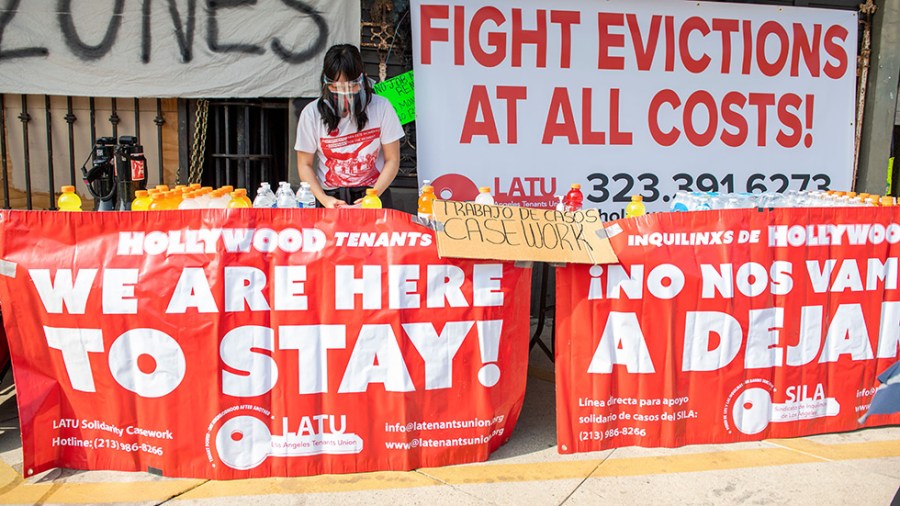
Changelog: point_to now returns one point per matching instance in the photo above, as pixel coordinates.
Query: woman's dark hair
(343, 59)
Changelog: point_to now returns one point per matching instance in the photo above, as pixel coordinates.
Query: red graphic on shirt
(351, 158)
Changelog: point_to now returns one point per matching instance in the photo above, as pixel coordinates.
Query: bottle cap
(141, 194)
(484, 189)
(428, 188)
(637, 198)
(371, 191)
(195, 186)
(576, 186)
(236, 194)
(159, 196)
(228, 188)
(68, 189)
(162, 187)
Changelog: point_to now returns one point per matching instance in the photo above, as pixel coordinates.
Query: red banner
(727, 326)
(248, 343)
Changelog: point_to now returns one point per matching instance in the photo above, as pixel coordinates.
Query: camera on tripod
(117, 171)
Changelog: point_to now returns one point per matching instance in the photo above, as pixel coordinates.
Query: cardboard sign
(469, 230)
(400, 92)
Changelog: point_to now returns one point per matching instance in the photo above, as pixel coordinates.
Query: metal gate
(243, 143)
(46, 139)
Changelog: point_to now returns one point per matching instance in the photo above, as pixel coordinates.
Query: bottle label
(137, 170)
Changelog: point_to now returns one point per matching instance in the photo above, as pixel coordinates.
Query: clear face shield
(346, 97)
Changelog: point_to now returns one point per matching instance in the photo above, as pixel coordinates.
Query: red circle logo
(455, 187)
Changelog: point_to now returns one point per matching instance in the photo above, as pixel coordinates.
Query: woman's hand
(332, 202)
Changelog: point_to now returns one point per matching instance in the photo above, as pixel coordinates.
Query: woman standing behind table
(355, 133)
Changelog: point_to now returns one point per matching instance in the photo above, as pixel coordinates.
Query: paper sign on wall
(400, 91)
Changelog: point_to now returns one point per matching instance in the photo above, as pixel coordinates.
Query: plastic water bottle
(484, 196)
(636, 207)
(68, 200)
(244, 197)
(175, 196)
(701, 202)
(286, 198)
(237, 200)
(264, 196)
(141, 201)
(305, 197)
(204, 197)
(219, 199)
(371, 200)
(426, 202)
(574, 199)
(188, 201)
(158, 203)
(680, 202)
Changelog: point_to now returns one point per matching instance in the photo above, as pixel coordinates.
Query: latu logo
(245, 441)
(455, 187)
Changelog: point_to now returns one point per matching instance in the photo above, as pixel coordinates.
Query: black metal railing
(23, 150)
(247, 143)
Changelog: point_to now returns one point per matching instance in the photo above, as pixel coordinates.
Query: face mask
(346, 97)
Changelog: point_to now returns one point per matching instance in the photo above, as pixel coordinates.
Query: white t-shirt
(346, 157)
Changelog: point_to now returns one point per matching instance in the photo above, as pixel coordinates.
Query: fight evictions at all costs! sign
(630, 97)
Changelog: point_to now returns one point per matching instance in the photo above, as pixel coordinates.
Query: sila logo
(752, 409)
(244, 442)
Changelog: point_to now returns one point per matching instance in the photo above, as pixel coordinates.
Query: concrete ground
(861, 467)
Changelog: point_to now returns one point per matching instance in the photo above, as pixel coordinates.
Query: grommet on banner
(602, 233)
(523, 264)
(154, 471)
(7, 268)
